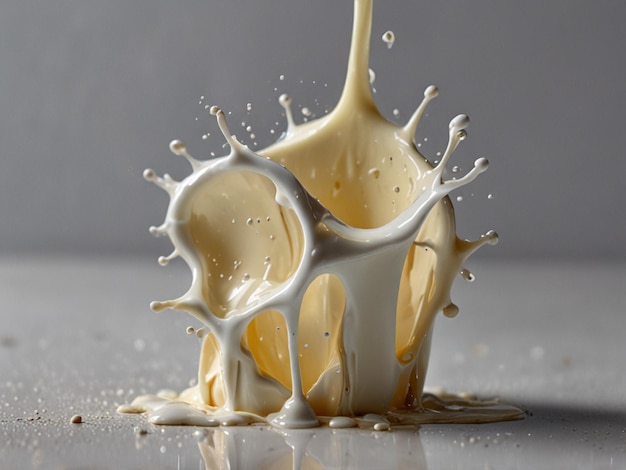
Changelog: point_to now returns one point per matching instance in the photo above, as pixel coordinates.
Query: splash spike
(457, 133)
(223, 125)
(178, 147)
(149, 175)
(164, 260)
(191, 305)
(481, 163)
(166, 183)
(169, 180)
(467, 247)
(285, 101)
(430, 93)
(459, 123)
(491, 237)
(158, 231)
(480, 166)
(159, 306)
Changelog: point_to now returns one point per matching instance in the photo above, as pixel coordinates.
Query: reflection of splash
(310, 449)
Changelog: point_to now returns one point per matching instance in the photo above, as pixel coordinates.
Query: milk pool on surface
(318, 267)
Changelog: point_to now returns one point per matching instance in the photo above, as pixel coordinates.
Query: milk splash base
(170, 409)
(318, 266)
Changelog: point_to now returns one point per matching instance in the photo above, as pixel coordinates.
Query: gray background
(91, 93)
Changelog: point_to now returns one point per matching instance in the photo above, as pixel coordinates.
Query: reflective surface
(77, 337)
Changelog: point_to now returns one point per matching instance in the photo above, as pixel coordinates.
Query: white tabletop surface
(77, 337)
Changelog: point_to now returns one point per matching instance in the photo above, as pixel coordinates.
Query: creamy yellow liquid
(318, 267)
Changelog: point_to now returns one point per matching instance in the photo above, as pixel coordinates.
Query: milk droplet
(459, 122)
(375, 172)
(372, 76)
(451, 311)
(177, 147)
(467, 275)
(389, 38)
(341, 422)
(381, 427)
(149, 174)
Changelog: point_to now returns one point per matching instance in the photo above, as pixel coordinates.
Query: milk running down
(318, 266)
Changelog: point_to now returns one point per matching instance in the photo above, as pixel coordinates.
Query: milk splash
(318, 266)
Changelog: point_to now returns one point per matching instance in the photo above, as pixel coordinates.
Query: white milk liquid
(318, 267)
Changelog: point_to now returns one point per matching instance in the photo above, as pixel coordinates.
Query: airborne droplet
(372, 76)
(451, 310)
(389, 38)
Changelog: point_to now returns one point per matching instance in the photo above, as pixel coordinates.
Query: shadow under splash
(595, 426)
